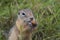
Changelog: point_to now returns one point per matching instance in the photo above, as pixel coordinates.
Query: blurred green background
(46, 12)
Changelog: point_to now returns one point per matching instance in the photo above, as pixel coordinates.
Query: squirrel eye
(23, 13)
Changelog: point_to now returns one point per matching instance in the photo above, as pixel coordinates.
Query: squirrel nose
(31, 19)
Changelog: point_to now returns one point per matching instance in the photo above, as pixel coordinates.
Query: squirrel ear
(18, 13)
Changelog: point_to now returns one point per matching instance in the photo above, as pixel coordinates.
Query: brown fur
(16, 33)
(13, 34)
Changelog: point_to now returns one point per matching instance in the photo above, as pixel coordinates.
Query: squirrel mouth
(32, 25)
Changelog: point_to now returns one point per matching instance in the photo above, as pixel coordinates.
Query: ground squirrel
(24, 26)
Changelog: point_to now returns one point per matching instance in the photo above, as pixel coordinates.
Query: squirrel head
(26, 19)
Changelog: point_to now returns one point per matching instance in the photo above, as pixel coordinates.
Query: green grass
(46, 12)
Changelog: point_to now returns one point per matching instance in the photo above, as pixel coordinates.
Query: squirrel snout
(34, 23)
(31, 19)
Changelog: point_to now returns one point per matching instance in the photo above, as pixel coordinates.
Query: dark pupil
(23, 13)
